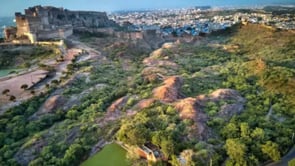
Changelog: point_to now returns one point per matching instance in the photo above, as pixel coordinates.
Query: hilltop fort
(47, 23)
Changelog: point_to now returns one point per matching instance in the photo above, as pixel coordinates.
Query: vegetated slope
(25, 56)
(265, 78)
(250, 125)
(225, 98)
(271, 58)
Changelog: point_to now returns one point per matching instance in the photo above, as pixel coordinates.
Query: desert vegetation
(23, 56)
(224, 99)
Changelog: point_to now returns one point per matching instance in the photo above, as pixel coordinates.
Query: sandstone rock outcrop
(51, 104)
(193, 109)
(115, 110)
(188, 108)
(158, 63)
(144, 104)
(228, 94)
(228, 110)
(234, 102)
(118, 105)
(170, 91)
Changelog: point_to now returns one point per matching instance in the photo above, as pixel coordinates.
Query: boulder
(118, 105)
(52, 104)
(226, 94)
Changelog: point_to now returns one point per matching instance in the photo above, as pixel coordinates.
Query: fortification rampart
(45, 23)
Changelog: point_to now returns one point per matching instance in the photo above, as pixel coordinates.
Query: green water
(6, 72)
(111, 155)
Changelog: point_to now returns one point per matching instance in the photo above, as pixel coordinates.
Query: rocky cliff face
(49, 17)
(81, 19)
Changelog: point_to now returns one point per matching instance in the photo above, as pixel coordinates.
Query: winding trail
(36, 77)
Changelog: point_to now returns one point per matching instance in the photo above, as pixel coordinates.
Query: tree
(12, 98)
(47, 86)
(24, 86)
(236, 150)
(46, 152)
(32, 92)
(245, 131)
(156, 138)
(174, 33)
(73, 154)
(72, 114)
(55, 82)
(258, 133)
(36, 162)
(272, 150)
(70, 67)
(167, 147)
(171, 110)
(174, 161)
(5, 91)
(133, 134)
(230, 131)
(291, 162)
(188, 156)
(2, 138)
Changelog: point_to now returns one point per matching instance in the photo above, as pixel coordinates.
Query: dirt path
(59, 67)
(14, 85)
(91, 53)
(37, 76)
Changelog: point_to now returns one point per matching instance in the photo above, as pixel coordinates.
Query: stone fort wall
(41, 23)
(54, 34)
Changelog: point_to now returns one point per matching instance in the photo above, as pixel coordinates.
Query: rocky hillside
(216, 100)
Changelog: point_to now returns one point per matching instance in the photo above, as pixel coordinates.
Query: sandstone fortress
(50, 23)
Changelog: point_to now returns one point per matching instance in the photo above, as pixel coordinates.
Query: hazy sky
(8, 7)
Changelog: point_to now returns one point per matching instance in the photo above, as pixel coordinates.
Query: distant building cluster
(43, 23)
(49, 23)
(198, 20)
(285, 22)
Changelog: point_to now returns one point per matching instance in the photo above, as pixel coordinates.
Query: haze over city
(9, 7)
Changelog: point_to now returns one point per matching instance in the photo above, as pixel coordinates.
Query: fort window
(60, 16)
(72, 16)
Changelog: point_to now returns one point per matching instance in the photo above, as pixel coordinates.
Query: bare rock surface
(193, 109)
(188, 108)
(228, 94)
(51, 104)
(170, 91)
(26, 154)
(235, 105)
(145, 103)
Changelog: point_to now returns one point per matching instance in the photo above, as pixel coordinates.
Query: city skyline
(8, 8)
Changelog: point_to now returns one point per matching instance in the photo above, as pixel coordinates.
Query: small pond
(111, 155)
(5, 72)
